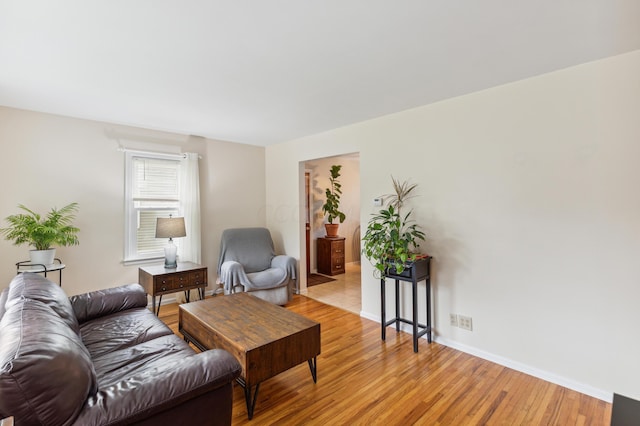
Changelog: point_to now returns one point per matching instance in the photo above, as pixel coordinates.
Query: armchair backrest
(251, 247)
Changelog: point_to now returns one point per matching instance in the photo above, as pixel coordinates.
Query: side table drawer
(198, 277)
(163, 283)
(172, 282)
(181, 281)
(337, 266)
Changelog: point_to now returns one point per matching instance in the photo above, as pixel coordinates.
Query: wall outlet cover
(464, 322)
(453, 320)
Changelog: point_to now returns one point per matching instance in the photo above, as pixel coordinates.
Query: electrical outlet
(453, 320)
(465, 322)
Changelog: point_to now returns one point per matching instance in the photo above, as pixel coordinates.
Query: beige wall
(528, 193)
(49, 160)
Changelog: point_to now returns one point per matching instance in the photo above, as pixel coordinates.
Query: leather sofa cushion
(139, 360)
(40, 355)
(121, 330)
(33, 286)
(167, 393)
(105, 302)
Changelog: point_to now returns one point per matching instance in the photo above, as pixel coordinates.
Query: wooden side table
(331, 256)
(158, 280)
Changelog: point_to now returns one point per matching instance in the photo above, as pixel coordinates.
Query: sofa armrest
(158, 390)
(99, 303)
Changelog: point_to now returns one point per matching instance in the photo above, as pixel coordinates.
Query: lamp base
(170, 265)
(170, 255)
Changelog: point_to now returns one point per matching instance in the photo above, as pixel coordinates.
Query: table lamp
(171, 227)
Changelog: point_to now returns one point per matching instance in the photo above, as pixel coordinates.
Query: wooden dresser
(331, 256)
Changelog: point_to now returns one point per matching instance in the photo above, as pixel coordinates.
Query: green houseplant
(331, 207)
(391, 238)
(43, 232)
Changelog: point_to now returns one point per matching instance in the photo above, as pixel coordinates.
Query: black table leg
(428, 309)
(398, 306)
(383, 306)
(313, 366)
(414, 295)
(250, 399)
(159, 303)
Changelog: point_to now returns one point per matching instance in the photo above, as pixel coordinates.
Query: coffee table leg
(249, 399)
(313, 366)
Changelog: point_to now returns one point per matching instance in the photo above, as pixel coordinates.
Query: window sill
(142, 261)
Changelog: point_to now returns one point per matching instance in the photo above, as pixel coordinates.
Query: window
(152, 191)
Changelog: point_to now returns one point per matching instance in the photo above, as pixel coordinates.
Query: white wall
(49, 160)
(529, 197)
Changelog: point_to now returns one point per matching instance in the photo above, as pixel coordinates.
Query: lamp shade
(170, 227)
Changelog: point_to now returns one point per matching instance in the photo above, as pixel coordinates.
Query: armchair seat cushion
(267, 278)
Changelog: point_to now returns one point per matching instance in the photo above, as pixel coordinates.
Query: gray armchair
(248, 262)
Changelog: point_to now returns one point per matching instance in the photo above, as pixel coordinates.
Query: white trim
(527, 369)
(143, 261)
(154, 154)
(602, 394)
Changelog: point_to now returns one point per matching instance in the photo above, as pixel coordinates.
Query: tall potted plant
(331, 206)
(43, 232)
(391, 238)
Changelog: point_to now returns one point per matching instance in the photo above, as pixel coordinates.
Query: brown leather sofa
(103, 358)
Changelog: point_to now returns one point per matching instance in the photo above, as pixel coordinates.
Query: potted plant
(332, 204)
(56, 228)
(391, 238)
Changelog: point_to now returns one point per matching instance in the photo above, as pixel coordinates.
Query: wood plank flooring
(365, 381)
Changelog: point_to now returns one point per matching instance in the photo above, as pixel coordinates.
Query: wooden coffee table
(266, 339)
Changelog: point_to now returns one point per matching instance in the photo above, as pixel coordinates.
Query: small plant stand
(419, 270)
(27, 266)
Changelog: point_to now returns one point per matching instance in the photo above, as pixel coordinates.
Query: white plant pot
(42, 257)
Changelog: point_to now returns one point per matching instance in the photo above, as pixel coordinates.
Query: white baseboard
(514, 365)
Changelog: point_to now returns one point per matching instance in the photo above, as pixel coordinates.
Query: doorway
(341, 289)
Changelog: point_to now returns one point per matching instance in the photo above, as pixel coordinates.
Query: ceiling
(267, 71)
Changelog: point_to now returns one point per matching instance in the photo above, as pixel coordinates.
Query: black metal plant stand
(38, 268)
(418, 270)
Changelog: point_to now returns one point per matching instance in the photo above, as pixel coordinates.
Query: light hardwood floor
(344, 292)
(365, 381)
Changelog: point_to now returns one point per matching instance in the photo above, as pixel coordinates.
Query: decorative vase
(332, 229)
(42, 257)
